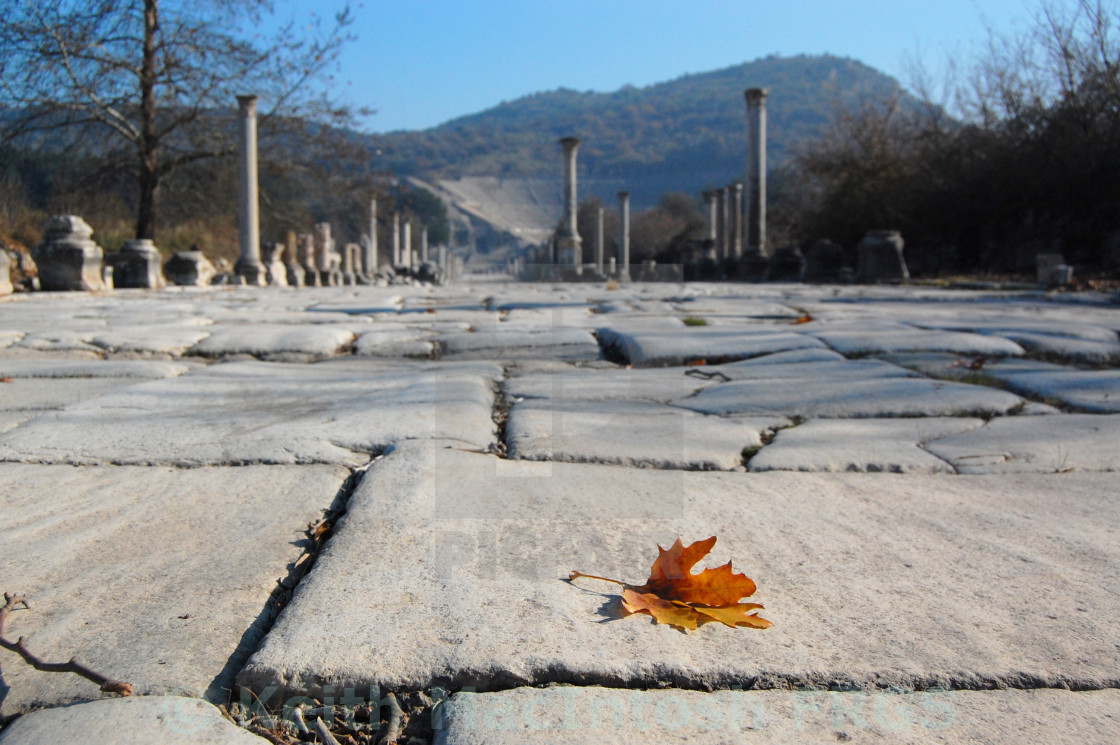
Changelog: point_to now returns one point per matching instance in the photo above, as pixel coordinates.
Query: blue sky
(422, 62)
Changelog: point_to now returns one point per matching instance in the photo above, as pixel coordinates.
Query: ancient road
(921, 482)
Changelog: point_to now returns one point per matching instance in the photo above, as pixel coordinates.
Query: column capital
(570, 143)
(624, 195)
(756, 96)
(248, 103)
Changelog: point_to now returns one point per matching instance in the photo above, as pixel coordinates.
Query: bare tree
(158, 79)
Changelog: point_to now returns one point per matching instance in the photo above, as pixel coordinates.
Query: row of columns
(569, 244)
(249, 265)
(731, 227)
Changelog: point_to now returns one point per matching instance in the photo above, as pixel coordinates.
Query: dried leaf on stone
(674, 595)
(6, 380)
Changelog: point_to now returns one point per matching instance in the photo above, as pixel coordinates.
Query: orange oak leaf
(663, 611)
(735, 614)
(671, 577)
(674, 595)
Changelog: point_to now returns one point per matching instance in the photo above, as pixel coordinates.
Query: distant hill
(681, 135)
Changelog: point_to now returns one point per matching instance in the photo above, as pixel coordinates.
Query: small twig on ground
(297, 717)
(393, 726)
(324, 733)
(107, 685)
(707, 375)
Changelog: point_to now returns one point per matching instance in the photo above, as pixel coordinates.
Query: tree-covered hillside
(687, 131)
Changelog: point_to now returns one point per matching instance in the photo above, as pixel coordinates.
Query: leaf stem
(575, 575)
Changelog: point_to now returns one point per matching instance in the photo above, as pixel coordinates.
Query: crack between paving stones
(317, 535)
(421, 706)
(500, 415)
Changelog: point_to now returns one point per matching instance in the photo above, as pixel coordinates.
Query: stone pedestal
(351, 257)
(67, 258)
(306, 260)
(297, 275)
(273, 258)
(5, 273)
(880, 256)
(786, 265)
(138, 265)
(189, 269)
(824, 262)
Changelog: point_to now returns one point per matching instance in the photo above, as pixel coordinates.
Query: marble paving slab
(864, 445)
(713, 344)
(155, 576)
(851, 398)
(263, 339)
(137, 720)
(450, 569)
(262, 412)
(638, 434)
(604, 716)
(1049, 444)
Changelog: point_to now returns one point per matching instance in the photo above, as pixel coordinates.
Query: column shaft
(756, 169)
(624, 238)
(249, 264)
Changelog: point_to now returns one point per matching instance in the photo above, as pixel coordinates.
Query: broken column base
(67, 258)
(296, 275)
(252, 273)
(138, 265)
(276, 274)
(189, 269)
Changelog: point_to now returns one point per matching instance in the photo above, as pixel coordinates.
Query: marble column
(721, 223)
(737, 220)
(756, 169)
(710, 216)
(396, 239)
(370, 258)
(423, 243)
(600, 244)
(570, 249)
(406, 243)
(249, 266)
(624, 229)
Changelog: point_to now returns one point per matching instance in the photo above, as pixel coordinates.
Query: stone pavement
(918, 479)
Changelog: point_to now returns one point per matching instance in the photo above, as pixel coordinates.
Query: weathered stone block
(786, 265)
(138, 265)
(275, 272)
(189, 268)
(5, 273)
(296, 275)
(67, 258)
(824, 262)
(880, 256)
